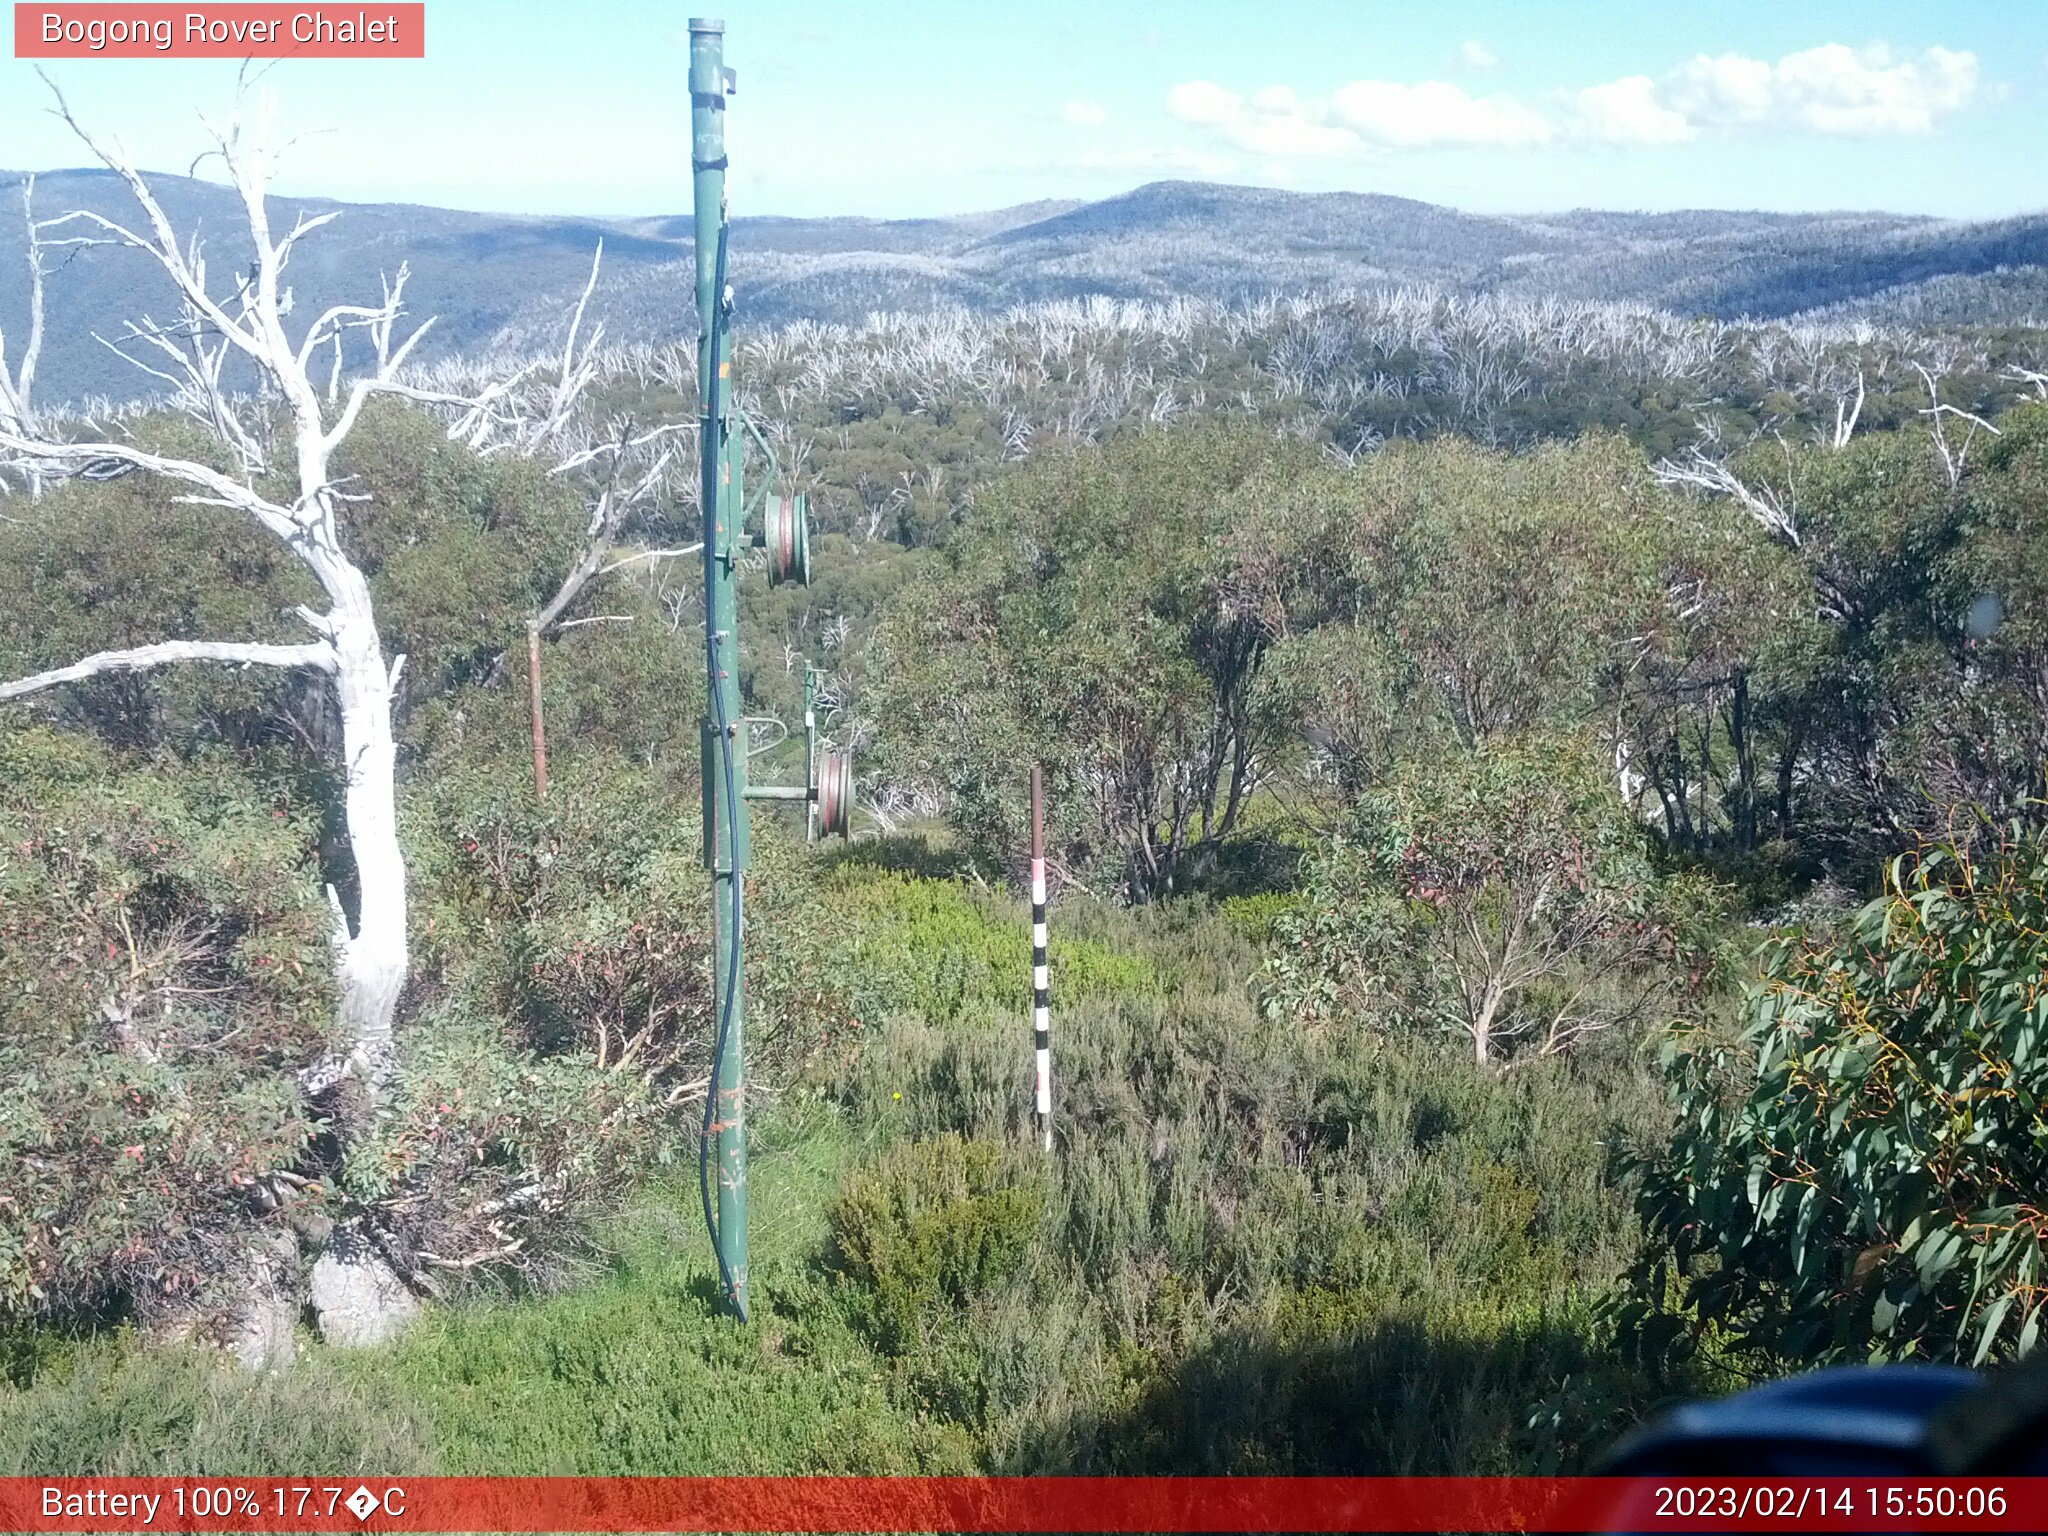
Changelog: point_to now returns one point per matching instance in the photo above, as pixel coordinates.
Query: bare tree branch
(1699, 472)
(318, 655)
(653, 554)
(607, 514)
(1954, 456)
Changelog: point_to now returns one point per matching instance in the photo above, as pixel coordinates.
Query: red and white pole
(1041, 1000)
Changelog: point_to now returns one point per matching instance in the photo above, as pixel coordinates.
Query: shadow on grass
(1386, 1398)
(906, 853)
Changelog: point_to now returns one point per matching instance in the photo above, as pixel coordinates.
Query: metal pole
(811, 754)
(724, 757)
(1041, 973)
(540, 731)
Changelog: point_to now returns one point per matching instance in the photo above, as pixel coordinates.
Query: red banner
(1022, 1504)
(103, 31)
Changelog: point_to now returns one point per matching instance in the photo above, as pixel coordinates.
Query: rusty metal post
(540, 734)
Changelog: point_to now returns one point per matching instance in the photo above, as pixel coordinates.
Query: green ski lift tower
(783, 532)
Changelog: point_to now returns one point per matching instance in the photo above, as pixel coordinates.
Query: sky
(909, 108)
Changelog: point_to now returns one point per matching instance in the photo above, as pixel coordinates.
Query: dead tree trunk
(247, 324)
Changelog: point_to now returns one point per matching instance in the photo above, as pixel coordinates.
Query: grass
(641, 1372)
(110, 1407)
(636, 1371)
(1259, 1248)
(1258, 1231)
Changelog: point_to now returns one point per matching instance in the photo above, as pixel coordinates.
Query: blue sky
(898, 108)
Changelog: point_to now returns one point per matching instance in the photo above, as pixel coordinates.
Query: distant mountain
(505, 281)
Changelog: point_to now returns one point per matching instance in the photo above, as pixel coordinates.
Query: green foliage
(1855, 1173)
(576, 920)
(501, 1155)
(460, 550)
(1260, 916)
(564, 1026)
(640, 1371)
(930, 1224)
(940, 951)
(1306, 1223)
(114, 1409)
(1503, 893)
(1909, 692)
(1088, 609)
(107, 566)
(1540, 709)
(628, 691)
(1488, 589)
(163, 970)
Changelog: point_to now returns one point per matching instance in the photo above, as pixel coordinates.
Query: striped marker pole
(1041, 999)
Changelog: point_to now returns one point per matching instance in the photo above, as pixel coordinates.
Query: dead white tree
(244, 320)
(1954, 456)
(631, 467)
(1847, 415)
(636, 467)
(2032, 378)
(17, 390)
(1703, 472)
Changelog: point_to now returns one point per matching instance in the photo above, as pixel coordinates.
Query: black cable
(711, 445)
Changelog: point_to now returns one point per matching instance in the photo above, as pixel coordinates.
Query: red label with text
(220, 31)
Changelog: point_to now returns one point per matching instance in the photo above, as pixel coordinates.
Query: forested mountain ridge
(500, 281)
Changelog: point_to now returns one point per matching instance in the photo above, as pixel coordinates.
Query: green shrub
(940, 951)
(1259, 916)
(1503, 894)
(125, 562)
(642, 1372)
(115, 1408)
(164, 969)
(564, 1024)
(933, 1224)
(1327, 1225)
(583, 923)
(1857, 1173)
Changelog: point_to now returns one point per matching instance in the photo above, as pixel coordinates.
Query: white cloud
(1727, 87)
(1433, 113)
(1201, 101)
(1364, 114)
(1832, 89)
(1841, 90)
(1085, 114)
(1627, 111)
(1473, 54)
(1274, 122)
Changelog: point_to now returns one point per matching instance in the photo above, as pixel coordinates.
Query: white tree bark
(375, 959)
(144, 657)
(17, 389)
